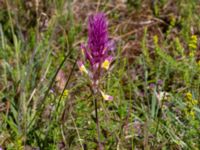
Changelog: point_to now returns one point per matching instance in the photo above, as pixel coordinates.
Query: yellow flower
(189, 95)
(105, 64)
(194, 38)
(190, 104)
(82, 68)
(66, 93)
(193, 42)
(191, 54)
(192, 114)
(194, 102)
(192, 45)
(106, 97)
(155, 39)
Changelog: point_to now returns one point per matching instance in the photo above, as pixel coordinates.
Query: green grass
(46, 103)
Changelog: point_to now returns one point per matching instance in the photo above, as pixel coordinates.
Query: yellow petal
(83, 69)
(66, 93)
(106, 97)
(105, 64)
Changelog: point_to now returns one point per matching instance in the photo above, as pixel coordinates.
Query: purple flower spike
(98, 43)
(98, 37)
(97, 51)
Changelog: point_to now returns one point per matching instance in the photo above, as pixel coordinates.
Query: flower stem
(97, 125)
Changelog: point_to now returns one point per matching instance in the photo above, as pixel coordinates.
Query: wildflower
(191, 103)
(98, 46)
(97, 51)
(162, 95)
(66, 93)
(152, 86)
(106, 97)
(192, 45)
(82, 67)
(190, 113)
(188, 95)
(98, 39)
(160, 82)
(191, 54)
(155, 39)
(193, 42)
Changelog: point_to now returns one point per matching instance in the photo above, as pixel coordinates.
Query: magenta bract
(97, 51)
(98, 44)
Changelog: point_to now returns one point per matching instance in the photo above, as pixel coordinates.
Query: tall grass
(45, 102)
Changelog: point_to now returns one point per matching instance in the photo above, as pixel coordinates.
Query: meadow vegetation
(46, 102)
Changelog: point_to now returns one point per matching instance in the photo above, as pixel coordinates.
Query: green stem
(97, 124)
